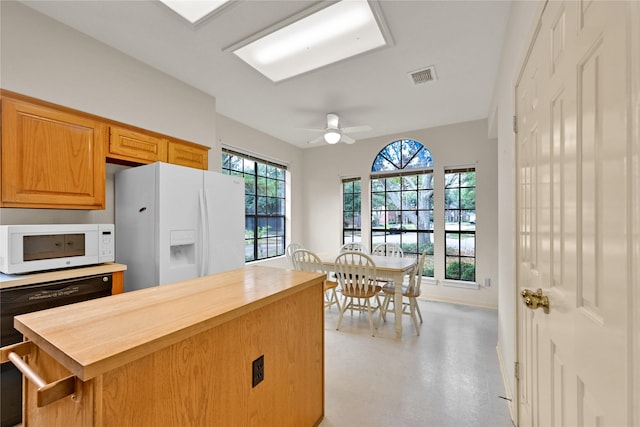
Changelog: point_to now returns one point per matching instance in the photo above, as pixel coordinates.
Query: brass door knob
(535, 300)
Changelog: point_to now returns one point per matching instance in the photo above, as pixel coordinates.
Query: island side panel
(207, 379)
(64, 412)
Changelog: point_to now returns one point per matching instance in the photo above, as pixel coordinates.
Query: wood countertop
(13, 280)
(93, 337)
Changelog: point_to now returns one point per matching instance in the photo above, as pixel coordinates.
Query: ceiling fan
(333, 133)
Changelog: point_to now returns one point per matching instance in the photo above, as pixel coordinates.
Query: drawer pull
(45, 393)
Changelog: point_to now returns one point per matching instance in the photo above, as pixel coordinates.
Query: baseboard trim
(455, 301)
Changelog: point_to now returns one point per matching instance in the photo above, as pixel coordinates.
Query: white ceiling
(462, 39)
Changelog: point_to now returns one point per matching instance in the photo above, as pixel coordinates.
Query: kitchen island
(184, 354)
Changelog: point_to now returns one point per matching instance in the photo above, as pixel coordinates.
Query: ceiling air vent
(424, 75)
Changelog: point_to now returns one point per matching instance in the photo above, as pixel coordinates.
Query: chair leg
(412, 306)
(373, 334)
(344, 308)
(418, 310)
(385, 307)
(331, 298)
(391, 300)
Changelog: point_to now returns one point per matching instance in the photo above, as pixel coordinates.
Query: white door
(576, 159)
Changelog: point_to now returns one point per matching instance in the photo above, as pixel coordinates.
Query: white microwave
(29, 248)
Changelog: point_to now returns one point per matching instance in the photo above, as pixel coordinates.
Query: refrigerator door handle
(204, 222)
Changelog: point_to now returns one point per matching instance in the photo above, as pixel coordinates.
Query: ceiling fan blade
(316, 140)
(355, 129)
(347, 139)
(332, 120)
(311, 129)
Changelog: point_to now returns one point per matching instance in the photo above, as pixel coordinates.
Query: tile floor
(447, 377)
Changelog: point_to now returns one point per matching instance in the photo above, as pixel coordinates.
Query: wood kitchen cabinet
(51, 157)
(188, 154)
(55, 157)
(137, 147)
(143, 147)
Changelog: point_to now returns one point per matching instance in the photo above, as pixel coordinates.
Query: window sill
(429, 281)
(460, 284)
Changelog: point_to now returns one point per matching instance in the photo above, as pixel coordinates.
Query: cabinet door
(51, 158)
(192, 155)
(125, 144)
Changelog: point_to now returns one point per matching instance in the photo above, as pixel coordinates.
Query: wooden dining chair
(305, 260)
(289, 250)
(410, 291)
(354, 246)
(356, 273)
(388, 249)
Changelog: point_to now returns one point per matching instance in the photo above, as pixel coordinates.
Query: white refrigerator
(175, 223)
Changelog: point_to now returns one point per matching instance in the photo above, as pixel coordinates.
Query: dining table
(387, 268)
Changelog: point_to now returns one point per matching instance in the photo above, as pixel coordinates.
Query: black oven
(26, 299)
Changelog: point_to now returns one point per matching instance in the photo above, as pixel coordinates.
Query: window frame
(423, 237)
(355, 213)
(406, 159)
(265, 184)
(459, 210)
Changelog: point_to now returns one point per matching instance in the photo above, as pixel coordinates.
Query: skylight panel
(342, 30)
(194, 10)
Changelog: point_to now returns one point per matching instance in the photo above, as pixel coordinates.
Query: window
(402, 154)
(351, 204)
(460, 224)
(265, 203)
(402, 199)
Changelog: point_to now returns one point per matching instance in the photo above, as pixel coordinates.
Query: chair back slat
(354, 246)
(356, 273)
(289, 250)
(305, 260)
(388, 249)
(415, 279)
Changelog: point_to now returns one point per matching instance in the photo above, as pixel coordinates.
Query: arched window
(402, 199)
(402, 154)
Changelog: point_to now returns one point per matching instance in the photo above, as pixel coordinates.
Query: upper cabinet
(51, 157)
(126, 144)
(139, 146)
(54, 157)
(188, 154)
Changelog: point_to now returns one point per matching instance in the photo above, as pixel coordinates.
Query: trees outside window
(460, 224)
(351, 210)
(402, 199)
(265, 203)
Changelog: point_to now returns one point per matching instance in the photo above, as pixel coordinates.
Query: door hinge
(516, 370)
(515, 124)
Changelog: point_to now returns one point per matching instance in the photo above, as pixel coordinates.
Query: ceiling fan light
(332, 136)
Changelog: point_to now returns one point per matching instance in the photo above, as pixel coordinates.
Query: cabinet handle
(45, 393)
